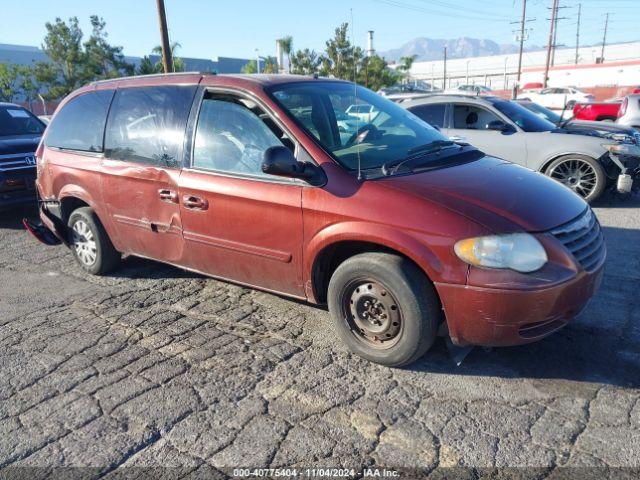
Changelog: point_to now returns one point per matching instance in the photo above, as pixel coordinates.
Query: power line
(415, 8)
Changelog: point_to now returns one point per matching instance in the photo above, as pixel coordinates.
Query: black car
(608, 130)
(20, 132)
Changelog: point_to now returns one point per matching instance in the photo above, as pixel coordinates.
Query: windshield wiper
(416, 153)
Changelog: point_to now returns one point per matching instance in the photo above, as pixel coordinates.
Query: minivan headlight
(518, 251)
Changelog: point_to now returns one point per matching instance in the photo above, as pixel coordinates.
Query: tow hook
(625, 179)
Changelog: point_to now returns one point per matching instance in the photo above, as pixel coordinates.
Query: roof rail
(150, 75)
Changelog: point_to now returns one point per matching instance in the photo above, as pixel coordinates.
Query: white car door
(471, 124)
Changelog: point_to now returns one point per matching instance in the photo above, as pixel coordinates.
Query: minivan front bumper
(503, 317)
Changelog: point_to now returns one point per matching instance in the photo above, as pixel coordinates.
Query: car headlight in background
(622, 149)
(518, 251)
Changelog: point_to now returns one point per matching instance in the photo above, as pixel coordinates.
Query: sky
(211, 28)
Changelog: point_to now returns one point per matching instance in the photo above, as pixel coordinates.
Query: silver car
(630, 111)
(505, 129)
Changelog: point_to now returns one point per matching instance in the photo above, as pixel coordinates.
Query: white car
(366, 113)
(469, 90)
(559, 98)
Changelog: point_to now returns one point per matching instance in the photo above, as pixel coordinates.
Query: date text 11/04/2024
(315, 472)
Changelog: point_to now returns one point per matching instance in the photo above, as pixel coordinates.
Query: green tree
(178, 63)
(286, 45)
(9, 79)
(406, 63)
(73, 63)
(65, 71)
(103, 60)
(341, 58)
(250, 67)
(269, 65)
(146, 67)
(305, 62)
(376, 74)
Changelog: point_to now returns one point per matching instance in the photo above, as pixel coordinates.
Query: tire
(401, 299)
(584, 175)
(90, 244)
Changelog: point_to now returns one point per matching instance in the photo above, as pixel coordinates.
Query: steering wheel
(369, 130)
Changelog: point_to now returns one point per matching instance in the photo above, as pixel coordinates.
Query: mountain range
(464, 47)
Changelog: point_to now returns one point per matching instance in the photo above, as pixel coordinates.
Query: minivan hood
(19, 144)
(502, 196)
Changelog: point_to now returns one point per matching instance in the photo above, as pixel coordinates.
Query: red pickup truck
(597, 111)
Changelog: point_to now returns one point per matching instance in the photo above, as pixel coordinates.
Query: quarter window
(147, 125)
(433, 113)
(80, 123)
(232, 135)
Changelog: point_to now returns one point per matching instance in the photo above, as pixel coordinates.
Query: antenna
(355, 94)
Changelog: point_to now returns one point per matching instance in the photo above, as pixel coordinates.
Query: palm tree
(286, 44)
(178, 63)
(406, 63)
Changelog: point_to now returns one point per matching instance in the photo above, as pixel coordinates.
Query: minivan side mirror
(500, 126)
(280, 161)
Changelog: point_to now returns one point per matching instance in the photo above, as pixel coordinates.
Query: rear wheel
(90, 243)
(582, 174)
(384, 308)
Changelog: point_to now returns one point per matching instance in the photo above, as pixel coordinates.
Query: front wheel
(582, 174)
(384, 308)
(90, 243)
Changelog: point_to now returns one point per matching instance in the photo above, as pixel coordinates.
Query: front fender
(412, 244)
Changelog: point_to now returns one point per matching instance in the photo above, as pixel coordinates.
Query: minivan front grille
(17, 161)
(584, 239)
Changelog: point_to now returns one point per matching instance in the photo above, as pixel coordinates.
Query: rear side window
(80, 123)
(147, 124)
(433, 113)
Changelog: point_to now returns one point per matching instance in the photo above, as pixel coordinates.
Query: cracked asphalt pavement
(156, 367)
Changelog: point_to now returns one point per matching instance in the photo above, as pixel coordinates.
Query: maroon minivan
(279, 183)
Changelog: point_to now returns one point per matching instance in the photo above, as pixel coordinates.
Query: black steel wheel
(372, 312)
(384, 307)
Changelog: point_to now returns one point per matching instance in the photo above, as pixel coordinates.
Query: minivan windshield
(16, 120)
(525, 119)
(378, 131)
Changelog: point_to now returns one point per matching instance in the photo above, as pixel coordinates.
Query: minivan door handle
(193, 202)
(167, 195)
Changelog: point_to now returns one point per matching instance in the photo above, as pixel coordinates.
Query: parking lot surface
(156, 367)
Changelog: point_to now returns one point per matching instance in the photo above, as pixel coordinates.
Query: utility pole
(444, 78)
(604, 38)
(555, 32)
(522, 22)
(167, 58)
(578, 33)
(549, 44)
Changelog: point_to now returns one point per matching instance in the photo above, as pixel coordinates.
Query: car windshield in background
(378, 130)
(525, 119)
(542, 112)
(18, 121)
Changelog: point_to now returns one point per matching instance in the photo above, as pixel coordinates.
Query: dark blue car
(20, 132)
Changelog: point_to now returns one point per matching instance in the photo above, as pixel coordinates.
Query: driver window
(470, 117)
(232, 135)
